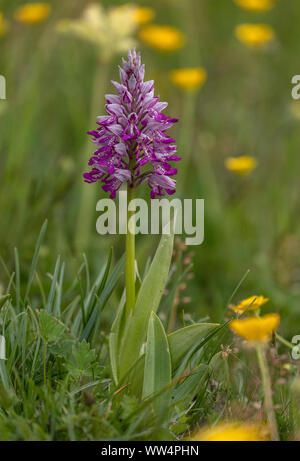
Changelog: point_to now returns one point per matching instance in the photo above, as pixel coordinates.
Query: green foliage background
(244, 108)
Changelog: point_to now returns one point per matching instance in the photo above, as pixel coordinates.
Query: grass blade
(35, 258)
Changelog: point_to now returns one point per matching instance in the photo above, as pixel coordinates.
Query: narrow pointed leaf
(49, 305)
(35, 257)
(185, 391)
(113, 348)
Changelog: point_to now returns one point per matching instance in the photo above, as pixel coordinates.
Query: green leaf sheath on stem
(130, 255)
(147, 302)
(157, 372)
(267, 388)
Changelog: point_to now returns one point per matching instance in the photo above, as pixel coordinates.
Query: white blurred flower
(110, 30)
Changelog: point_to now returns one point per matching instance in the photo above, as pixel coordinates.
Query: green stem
(284, 341)
(87, 191)
(130, 256)
(268, 401)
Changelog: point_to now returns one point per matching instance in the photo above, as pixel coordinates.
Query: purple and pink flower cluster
(132, 144)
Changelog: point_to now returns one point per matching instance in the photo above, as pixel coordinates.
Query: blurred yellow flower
(241, 165)
(250, 304)
(230, 432)
(255, 5)
(163, 38)
(143, 15)
(295, 109)
(189, 78)
(110, 30)
(254, 35)
(3, 25)
(33, 13)
(256, 328)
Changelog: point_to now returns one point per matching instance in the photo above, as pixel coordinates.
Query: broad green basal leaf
(157, 372)
(182, 341)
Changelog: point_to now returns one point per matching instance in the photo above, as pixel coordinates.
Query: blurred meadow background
(238, 136)
(240, 105)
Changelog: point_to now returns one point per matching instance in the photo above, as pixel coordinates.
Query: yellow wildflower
(143, 15)
(254, 35)
(33, 13)
(241, 165)
(189, 78)
(250, 304)
(255, 5)
(256, 328)
(110, 30)
(3, 25)
(230, 432)
(163, 38)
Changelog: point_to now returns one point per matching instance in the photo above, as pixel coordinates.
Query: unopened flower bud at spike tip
(131, 140)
